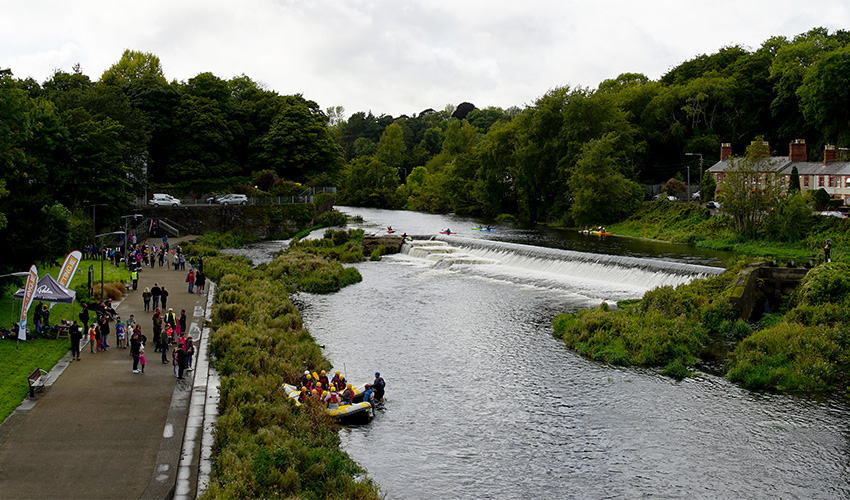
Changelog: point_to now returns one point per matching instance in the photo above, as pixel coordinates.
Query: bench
(37, 378)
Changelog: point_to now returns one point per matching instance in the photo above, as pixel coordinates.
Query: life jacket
(333, 398)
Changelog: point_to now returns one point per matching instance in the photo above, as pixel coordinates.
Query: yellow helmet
(313, 392)
(323, 372)
(303, 388)
(349, 386)
(337, 373)
(332, 388)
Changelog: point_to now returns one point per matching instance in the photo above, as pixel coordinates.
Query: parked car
(234, 199)
(696, 195)
(164, 200)
(713, 205)
(215, 198)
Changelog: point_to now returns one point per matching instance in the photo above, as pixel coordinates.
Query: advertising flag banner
(29, 293)
(69, 267)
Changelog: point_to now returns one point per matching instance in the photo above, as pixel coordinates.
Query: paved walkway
(99, 430)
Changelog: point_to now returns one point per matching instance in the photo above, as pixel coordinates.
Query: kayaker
(379, 385)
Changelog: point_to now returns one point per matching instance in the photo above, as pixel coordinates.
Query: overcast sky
(398, 56)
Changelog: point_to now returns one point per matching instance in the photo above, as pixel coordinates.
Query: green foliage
(331, 218)
(378, 253)
(825, 284)
(708, 186)
(265, 445)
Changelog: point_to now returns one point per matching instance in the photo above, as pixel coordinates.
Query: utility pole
(689, 173)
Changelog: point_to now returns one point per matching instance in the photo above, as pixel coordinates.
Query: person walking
(163, 343)
(146, 298)
(827, 247)
(76, 337)
(157, 329)
(190, 278)
(163, 296)
(135, 277)
(155, 293)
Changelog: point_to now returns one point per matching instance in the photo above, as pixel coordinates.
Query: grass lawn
(19, 359)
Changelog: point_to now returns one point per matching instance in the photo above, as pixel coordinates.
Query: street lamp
(689, 172)
(94, 214)
(100, 249)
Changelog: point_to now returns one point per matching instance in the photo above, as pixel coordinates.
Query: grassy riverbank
(691, 223)
(265, 445)
(803, 347)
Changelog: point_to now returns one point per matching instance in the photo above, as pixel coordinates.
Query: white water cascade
(594, 275)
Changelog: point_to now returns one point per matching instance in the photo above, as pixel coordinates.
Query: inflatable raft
(358, 412)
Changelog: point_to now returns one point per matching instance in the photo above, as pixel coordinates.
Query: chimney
(797, 151)
(764, 148)
(829, 153)
(725, 150)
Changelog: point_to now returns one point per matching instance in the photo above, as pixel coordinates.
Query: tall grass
(266, 447)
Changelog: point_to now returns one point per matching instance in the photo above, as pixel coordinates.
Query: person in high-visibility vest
(134, 275)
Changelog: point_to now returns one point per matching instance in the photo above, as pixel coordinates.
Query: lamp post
(689, 172)
(94, 214)
(100, 249)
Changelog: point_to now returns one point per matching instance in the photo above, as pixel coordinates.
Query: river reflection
(482, 402)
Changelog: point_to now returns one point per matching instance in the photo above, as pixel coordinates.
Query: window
(833, 181)
(806, 180)
(847, 181)
(820, 181)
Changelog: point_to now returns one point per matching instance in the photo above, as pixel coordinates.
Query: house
(831, 174)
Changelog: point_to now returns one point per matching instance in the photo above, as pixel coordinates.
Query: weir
(556, 264)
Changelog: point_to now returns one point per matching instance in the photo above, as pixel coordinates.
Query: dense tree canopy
(71, 142)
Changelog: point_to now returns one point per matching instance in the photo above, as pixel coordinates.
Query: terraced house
(832, 174)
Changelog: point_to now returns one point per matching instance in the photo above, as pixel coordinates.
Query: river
(482, 401)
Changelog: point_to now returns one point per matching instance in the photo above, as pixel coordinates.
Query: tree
(707, 187)
(601, 194)
(824, 98)
(133, 65)
(750, 188)
(391, 148)
(794, 185)
(369, 182)
(674, 187)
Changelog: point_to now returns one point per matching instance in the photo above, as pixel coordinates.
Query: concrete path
(99, 430)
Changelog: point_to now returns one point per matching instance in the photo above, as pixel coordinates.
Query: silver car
(234, 199)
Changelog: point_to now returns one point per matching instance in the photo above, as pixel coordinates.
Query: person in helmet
(338, 380)
(348, 394)
(306, 380)
(323, 378)
(378, 386)
(331, 398)
(304, 394)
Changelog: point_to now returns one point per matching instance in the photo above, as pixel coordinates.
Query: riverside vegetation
(805, 346)
(265, 445)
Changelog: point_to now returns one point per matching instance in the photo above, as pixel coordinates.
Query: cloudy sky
(398, 56)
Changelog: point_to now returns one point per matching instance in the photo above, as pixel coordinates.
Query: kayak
(356, 413)
(601, 233)
(444, 232)
(483, 229)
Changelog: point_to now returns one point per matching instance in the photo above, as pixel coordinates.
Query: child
(97, 337)
(119, 332)
(142, 360)
(92, 336)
